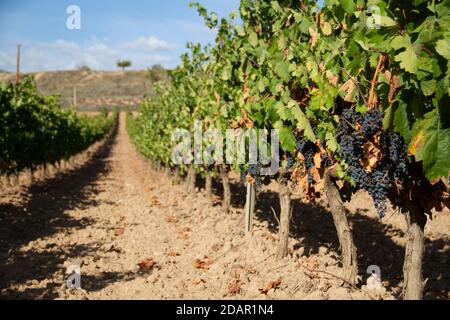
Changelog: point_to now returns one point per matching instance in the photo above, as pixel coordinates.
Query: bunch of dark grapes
(371, 122)
(254, 171)
(354, 131)
(290, 161)
(326, 160)
(393, 144)
(308, 150)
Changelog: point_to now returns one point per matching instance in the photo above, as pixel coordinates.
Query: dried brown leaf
(171, 219)
(147, 264)
(314, 35)
(318, 160)
(332, 78)
(250, 179)
(372, 155)
(119, 232)
(271, 285)
(198, 281)
(315, 174)
(248, 123)
(234, 287)
(349, 88)
(394, 85)
(155, 201)
(202, 263)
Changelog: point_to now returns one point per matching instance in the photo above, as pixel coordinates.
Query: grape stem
(373, 83)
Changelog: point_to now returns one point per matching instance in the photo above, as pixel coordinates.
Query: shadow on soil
(313, 227)
(40, 212)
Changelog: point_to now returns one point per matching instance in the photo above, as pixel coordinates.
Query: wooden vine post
(226, 204)
(249, 207)
(349, 252)
(412, 266)
(284, 194)
(176, 175)
(208, 184)
(190, 180)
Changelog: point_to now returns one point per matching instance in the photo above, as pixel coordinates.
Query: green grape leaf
(253, 39)
(407, 58)
(287, 139)
(428, 87)
(239, 30)
(435, 153)
(331, 142)
(303, 123)
(401, 121)
(282, 70)
(348, 5)
(443, 48)
(431, 145)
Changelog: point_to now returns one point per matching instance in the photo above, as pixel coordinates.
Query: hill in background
(89, 90)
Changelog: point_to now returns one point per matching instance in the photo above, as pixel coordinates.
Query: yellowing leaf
(349, 88)
(387, 21)
(326, 28)
(332, 78)
(314, 36)
(416, 142)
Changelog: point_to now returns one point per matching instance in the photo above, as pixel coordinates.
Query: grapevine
(36, 131)
(367, 103)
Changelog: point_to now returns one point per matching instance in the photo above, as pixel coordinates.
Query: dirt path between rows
(138, 236)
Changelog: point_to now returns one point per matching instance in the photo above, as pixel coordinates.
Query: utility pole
(18, 64)
(75, 96)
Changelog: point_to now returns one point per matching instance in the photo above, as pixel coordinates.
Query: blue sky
(146, 32)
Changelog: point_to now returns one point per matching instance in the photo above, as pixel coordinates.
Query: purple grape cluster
(393, 164)
(308, 150)
(253, 170)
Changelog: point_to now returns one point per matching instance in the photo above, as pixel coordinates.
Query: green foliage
(295, 67)
(34, 130)
(157, 73)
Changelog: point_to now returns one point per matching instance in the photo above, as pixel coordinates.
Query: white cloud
(97, 54)
(194, 28)
(145, 61)
(149, 44)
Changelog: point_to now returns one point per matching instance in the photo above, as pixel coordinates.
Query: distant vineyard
(360, 98)
(35, 130)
